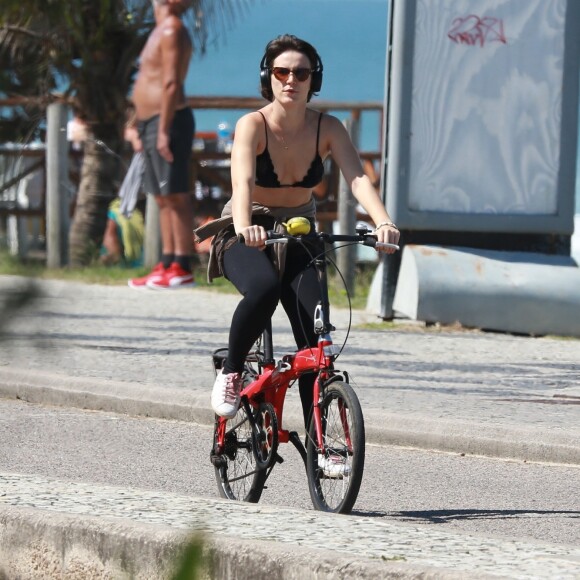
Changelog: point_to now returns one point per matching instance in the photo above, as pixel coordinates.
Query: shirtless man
(166, 128)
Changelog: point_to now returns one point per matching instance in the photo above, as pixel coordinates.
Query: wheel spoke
(240, 478)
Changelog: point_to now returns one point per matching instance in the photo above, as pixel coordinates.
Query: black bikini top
(266, 175)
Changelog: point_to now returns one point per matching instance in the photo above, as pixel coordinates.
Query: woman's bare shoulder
(250, 121)
(331, 122)
(250, 130)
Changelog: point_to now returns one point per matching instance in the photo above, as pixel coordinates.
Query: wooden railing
(206, 170)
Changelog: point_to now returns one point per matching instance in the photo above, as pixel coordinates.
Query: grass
(118, 275)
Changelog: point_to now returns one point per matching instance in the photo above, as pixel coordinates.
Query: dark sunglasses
(282, 73)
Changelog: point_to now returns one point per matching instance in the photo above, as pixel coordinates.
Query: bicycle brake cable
(347, 295)
(326, 254)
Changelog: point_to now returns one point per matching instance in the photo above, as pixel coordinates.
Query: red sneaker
(174, 277)
(155, 274)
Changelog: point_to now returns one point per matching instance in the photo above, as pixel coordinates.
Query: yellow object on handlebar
(297, 226)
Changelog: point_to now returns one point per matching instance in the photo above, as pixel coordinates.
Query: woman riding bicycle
(277, 160)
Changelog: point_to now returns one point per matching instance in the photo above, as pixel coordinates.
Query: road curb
(61, 545)
(469, 438)
(382, 428)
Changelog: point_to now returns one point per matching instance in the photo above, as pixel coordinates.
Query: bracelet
(390, 224)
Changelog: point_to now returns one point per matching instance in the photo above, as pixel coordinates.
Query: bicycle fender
(338, 376)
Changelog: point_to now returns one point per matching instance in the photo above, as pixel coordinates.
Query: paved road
(444, 491)
(493, 394)
(148, 353)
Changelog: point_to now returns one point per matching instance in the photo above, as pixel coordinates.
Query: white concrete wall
(516, 292)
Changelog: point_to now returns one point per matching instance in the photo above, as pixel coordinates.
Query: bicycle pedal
(279, 459)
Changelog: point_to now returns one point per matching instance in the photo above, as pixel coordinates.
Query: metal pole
(346, 257)
(152, 250)
(57, 207)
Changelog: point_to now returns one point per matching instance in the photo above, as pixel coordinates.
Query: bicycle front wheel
(335, 472)
(237, 474)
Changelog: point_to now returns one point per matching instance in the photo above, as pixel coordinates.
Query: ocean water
(350, 36)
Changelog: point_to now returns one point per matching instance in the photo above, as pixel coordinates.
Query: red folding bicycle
(245, 447)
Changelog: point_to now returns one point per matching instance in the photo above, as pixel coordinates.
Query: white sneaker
(225, 396)
(334, 466)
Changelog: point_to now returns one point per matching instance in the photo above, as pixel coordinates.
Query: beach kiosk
(479, 164)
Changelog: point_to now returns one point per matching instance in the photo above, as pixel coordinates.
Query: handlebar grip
(374, 243)
(273, 237)
(276, 238)
(387, 245)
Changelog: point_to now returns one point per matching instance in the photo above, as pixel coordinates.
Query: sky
(350, 36)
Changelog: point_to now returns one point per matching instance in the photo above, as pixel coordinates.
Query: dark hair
(275, 48)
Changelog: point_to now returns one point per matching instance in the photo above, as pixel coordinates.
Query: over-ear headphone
(315, 85)
(264, 74)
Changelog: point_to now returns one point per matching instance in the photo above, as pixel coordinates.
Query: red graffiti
(474, 30)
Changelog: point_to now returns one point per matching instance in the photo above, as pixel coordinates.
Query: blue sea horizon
(350, 36)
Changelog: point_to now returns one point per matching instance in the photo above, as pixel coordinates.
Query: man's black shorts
(161, 177)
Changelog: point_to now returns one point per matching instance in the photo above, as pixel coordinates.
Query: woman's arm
(348, 160)
(243, 170)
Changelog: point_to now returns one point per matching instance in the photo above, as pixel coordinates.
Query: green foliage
(362, 282)
(190, 562)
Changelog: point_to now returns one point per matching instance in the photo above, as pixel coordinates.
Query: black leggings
(251, 271)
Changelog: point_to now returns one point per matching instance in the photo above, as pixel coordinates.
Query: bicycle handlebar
(366, 238)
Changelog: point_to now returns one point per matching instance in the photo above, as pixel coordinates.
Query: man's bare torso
(149, 85)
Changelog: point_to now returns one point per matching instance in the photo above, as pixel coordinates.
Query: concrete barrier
(40, 544)
(516, 292)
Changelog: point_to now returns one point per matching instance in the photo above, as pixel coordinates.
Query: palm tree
(88, 49)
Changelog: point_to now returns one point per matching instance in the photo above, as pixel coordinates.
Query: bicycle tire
(237, 474)
(344, 440)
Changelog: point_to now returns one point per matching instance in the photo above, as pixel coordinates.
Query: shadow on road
(446, 516)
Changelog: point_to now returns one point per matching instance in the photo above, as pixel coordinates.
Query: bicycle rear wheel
(237, 475)
(335, 476)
